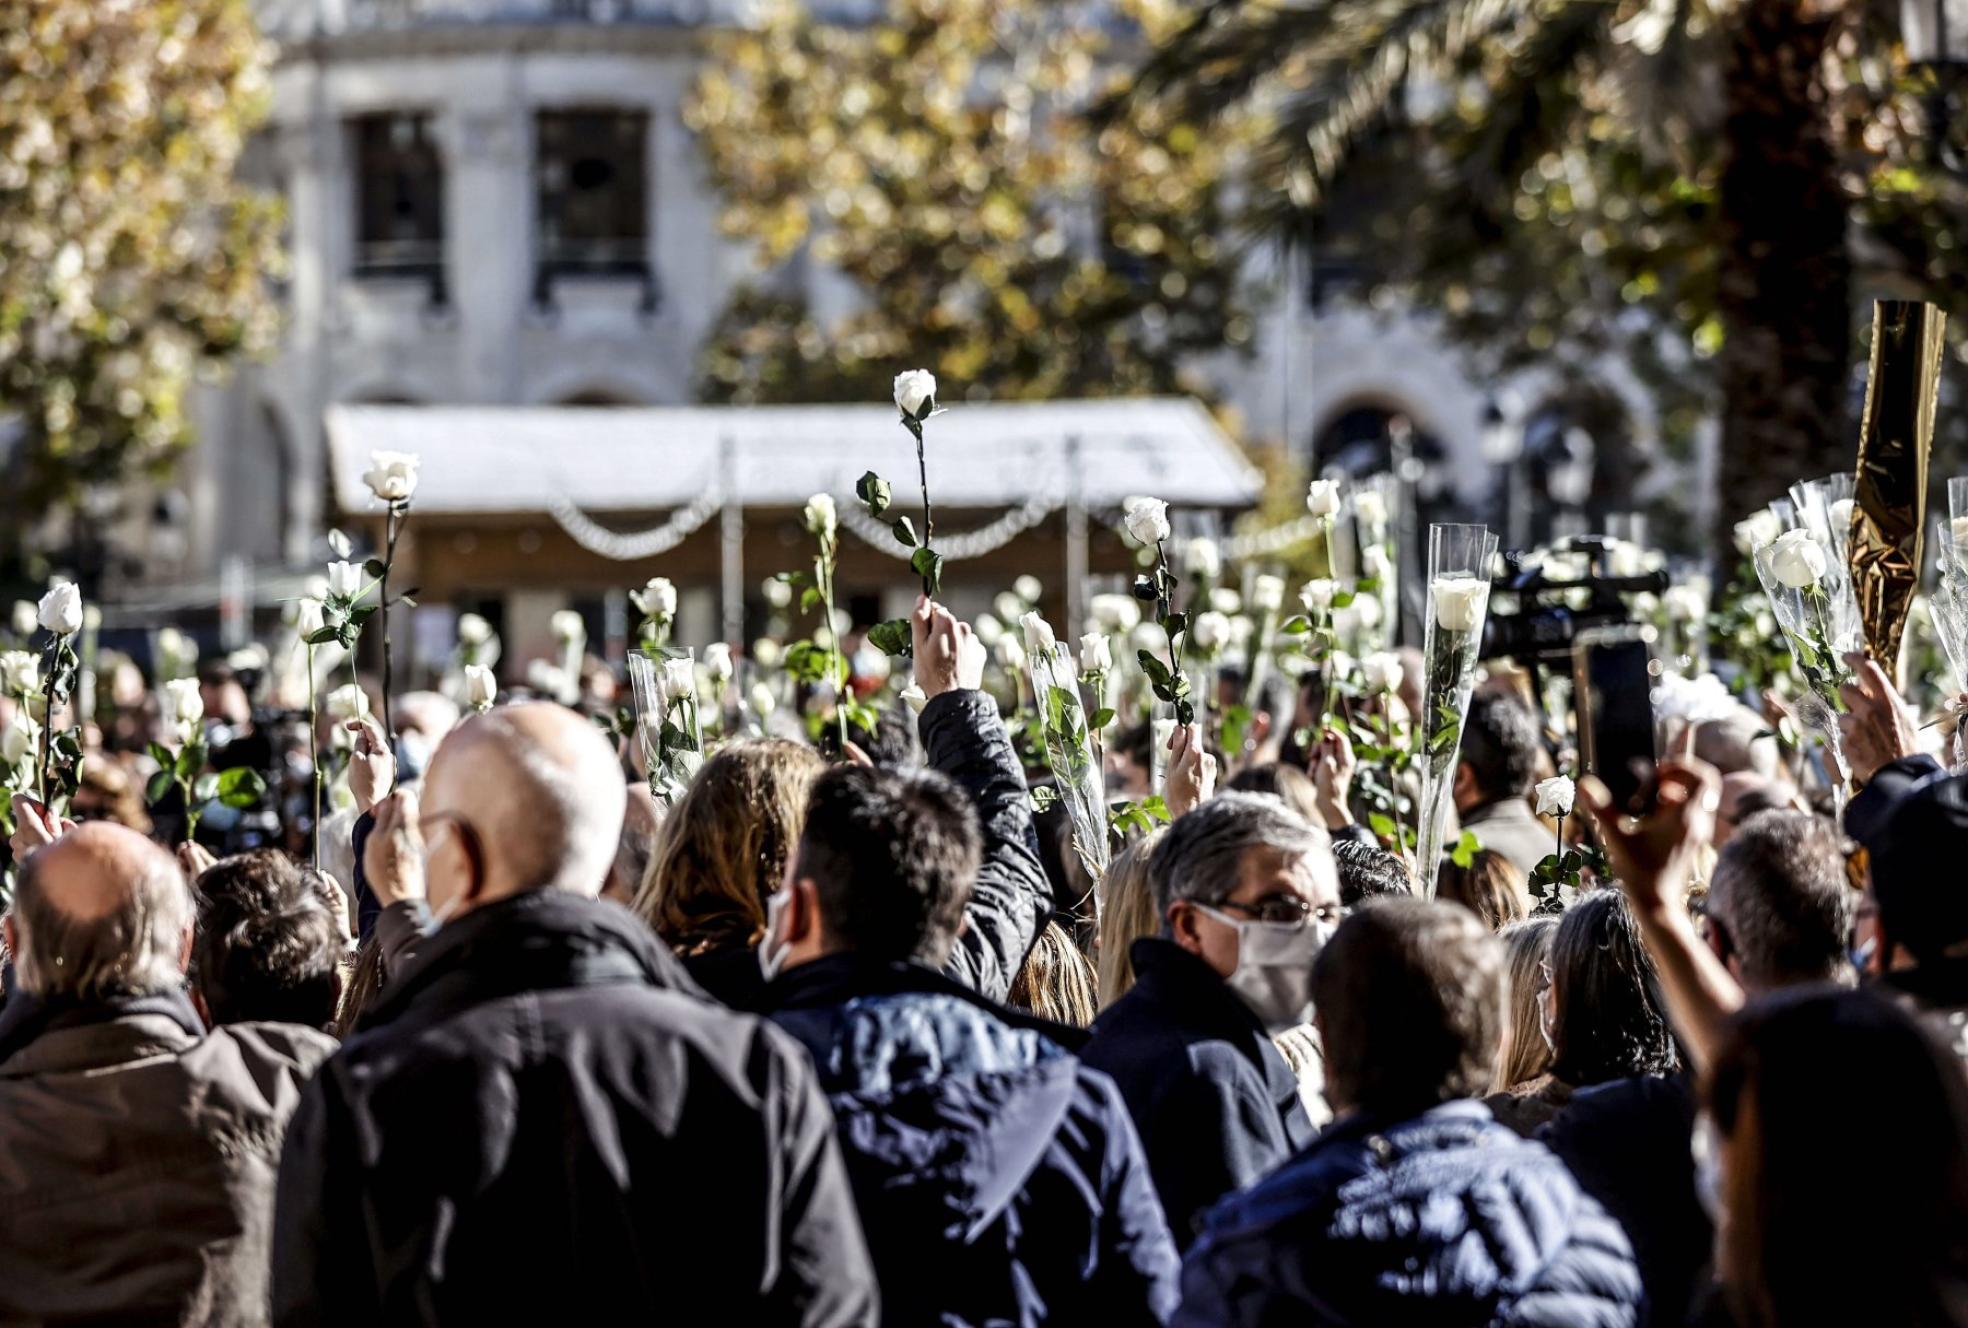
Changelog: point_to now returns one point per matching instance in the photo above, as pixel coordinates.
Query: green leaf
(905, 532)
(1343, 599)
(241, 787)
(1381, 824)
(928, 564)
(892, 637)
(162, 755)
(1176, 624)
(1157, 671)
(205, 788)
(1101, 718)
(810, 600)
(362, 615)
(1296, 625)
(375, 568)
(1465, 849)
(191, 759)
(873, 490)
(159, 787)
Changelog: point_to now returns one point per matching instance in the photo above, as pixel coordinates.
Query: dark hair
(1491, 887)
(1056, 980)
(1877, 1237)
(1409, 994)
(1500, 745)
(1921, 903)
(1779, 896)
(1287, 783)
(1367, 871)
(892, 855)
(1135, 745)
(893, 744)
(268, 946)
(1611, 1021)
(364, 984)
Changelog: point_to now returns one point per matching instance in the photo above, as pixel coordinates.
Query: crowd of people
(853, 1041)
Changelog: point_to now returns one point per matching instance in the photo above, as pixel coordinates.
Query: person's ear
(1183, 928)
(184, 948)
(198, 1004)
(799, 920)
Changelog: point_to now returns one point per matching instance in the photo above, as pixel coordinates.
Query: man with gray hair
(543, 1118)
(1247, 894)
(137, 1149)
(1779, 907)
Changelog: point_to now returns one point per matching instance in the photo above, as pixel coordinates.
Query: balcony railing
(294, 19)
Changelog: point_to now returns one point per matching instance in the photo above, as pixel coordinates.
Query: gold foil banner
(1889, 504)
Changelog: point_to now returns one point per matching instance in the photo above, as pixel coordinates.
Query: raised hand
(1332, 765)
(948, 657)
(1191, 770)
(1654, 856)
(1876, 728)
(372, 765)
(393, 857)
(34, 827)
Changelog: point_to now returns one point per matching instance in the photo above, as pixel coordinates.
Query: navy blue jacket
(1213, 1099)
(998, 1179)
(1449, 1220)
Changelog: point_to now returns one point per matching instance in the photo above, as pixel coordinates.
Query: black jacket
(545, 1121)
(999, 1180)
(1215, 1103)
(964, 737)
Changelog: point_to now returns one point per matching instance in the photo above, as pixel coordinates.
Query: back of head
(723, 848)
(1127, 913)
(1491, 887)
(1367, 871)
(1500, 745)
(1409, 995)
(1055, 982)
(1736, 743)
(268, 947)
(1881, 1237)
(1611, 1019)
(892, 856)
(1201, 857)
(1916, 871)
(1526, 1055)
(1780, 902)
(1287, 783)
(100, 914)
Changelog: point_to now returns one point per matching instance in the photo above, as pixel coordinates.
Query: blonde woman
(1526, 1053)
(1127, 913)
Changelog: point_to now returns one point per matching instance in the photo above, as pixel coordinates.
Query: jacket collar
(836, 979)
(1171, 976)
(41, 1035)
(536, 941)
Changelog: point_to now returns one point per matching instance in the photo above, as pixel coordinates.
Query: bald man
(543, 1118)
(138, 1150)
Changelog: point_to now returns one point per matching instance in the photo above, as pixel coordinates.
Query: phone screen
(1613, 684)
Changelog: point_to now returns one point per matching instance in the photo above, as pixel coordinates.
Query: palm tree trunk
(1784, 284)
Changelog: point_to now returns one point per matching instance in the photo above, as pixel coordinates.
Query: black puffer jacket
(545, 1121)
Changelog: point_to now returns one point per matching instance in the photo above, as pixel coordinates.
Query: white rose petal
(988, 630)
(913, 697)
(1147, 520)
(1210, 631)
(1958, 528)
(1797, 559)
(1370, 507)
(1317, 594)
(658, 599)
(1459, 602)
(1009, 607)
(19, 741)
(1115, 613)
(1839, 517)
(481, 688)
(1202, 559)
(819, 516)
(679, 680)
(776, 593)
(25, 619)
(1225, 600)
(717, 661)
(1375, 564)
(1382, 671)
(183, 705)
(1554, 796)
(1267, 593)
(346, 702)
(915, 393)
(763, 702)
(338, 544)
(568, 627)
(1096, 654)
(61, 609)
(1757, 529)
(1028, 589)
(1011, 655)
(549, 679)
(20, 672)
(473, 630)
(1038, 633)
(1322, 497)
(392, 476)
(1684, 603)
(344, 580)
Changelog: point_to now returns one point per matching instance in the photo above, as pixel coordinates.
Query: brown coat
(137, 1164)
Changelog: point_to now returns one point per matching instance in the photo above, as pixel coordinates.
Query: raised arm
(964, 738)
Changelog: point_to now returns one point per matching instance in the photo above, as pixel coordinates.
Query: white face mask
(772, 951)
(438, 916)
(1274, 967)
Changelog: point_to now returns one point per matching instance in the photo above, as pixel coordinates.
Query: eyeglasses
(1286, 910)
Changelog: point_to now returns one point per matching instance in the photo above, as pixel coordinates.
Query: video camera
(1549, 618)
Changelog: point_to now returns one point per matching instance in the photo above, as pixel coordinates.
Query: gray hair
(1779, 893)
(1202, 855)
(134, 949)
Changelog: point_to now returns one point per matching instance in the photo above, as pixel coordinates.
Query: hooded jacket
(998, 1179)
(545, 1121)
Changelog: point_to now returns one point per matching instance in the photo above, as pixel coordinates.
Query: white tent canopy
(490, 459)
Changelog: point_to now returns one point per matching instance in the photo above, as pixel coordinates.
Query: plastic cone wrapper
(1890, 496)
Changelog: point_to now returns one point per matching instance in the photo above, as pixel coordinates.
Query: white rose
(252, 658)
(1366, 612)
(1370, 507)
(987, 629)
(183, 705)
(25, 619)
(549, 679)
(819, 517)
(338, 544)
(19, 741)
(1164, 730)
(766, 653)
(1147, 520)
(1375, 564)
(392, 476)
(658, 599)
(1241, 631)
(20, 672)
(1009, 607)
(1317, 594)
(1684, 603)
(1797, 560)
(1028, 588)
(717, 661)
(1322, 497)
(1382, 671)
(481, 688)
(1267, 593)
(1038, 633)
(762, 700)
(346, 702)
(473, 630)
(1757, 529)
(1011, 655)
(1341, 665)
(61, 609)
(915, 393)
(1459, 602)
(1115, 613)
(1554, 796)
(344, 580)
(568, 627)
(914, 698)
(1149, 636)
(777, 593)
(1202, 559)
(1210, 631)
(1225, 600)
(1839, 517)
(679, 680)
(307, 616)
(1096, 654)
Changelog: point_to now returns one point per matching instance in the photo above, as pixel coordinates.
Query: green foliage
(892, 637)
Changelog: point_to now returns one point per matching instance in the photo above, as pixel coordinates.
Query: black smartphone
(1613, 677)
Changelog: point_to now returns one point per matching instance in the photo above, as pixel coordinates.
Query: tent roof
(493, 459)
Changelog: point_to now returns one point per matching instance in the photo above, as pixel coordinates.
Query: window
(592, 189)
(399, 196)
